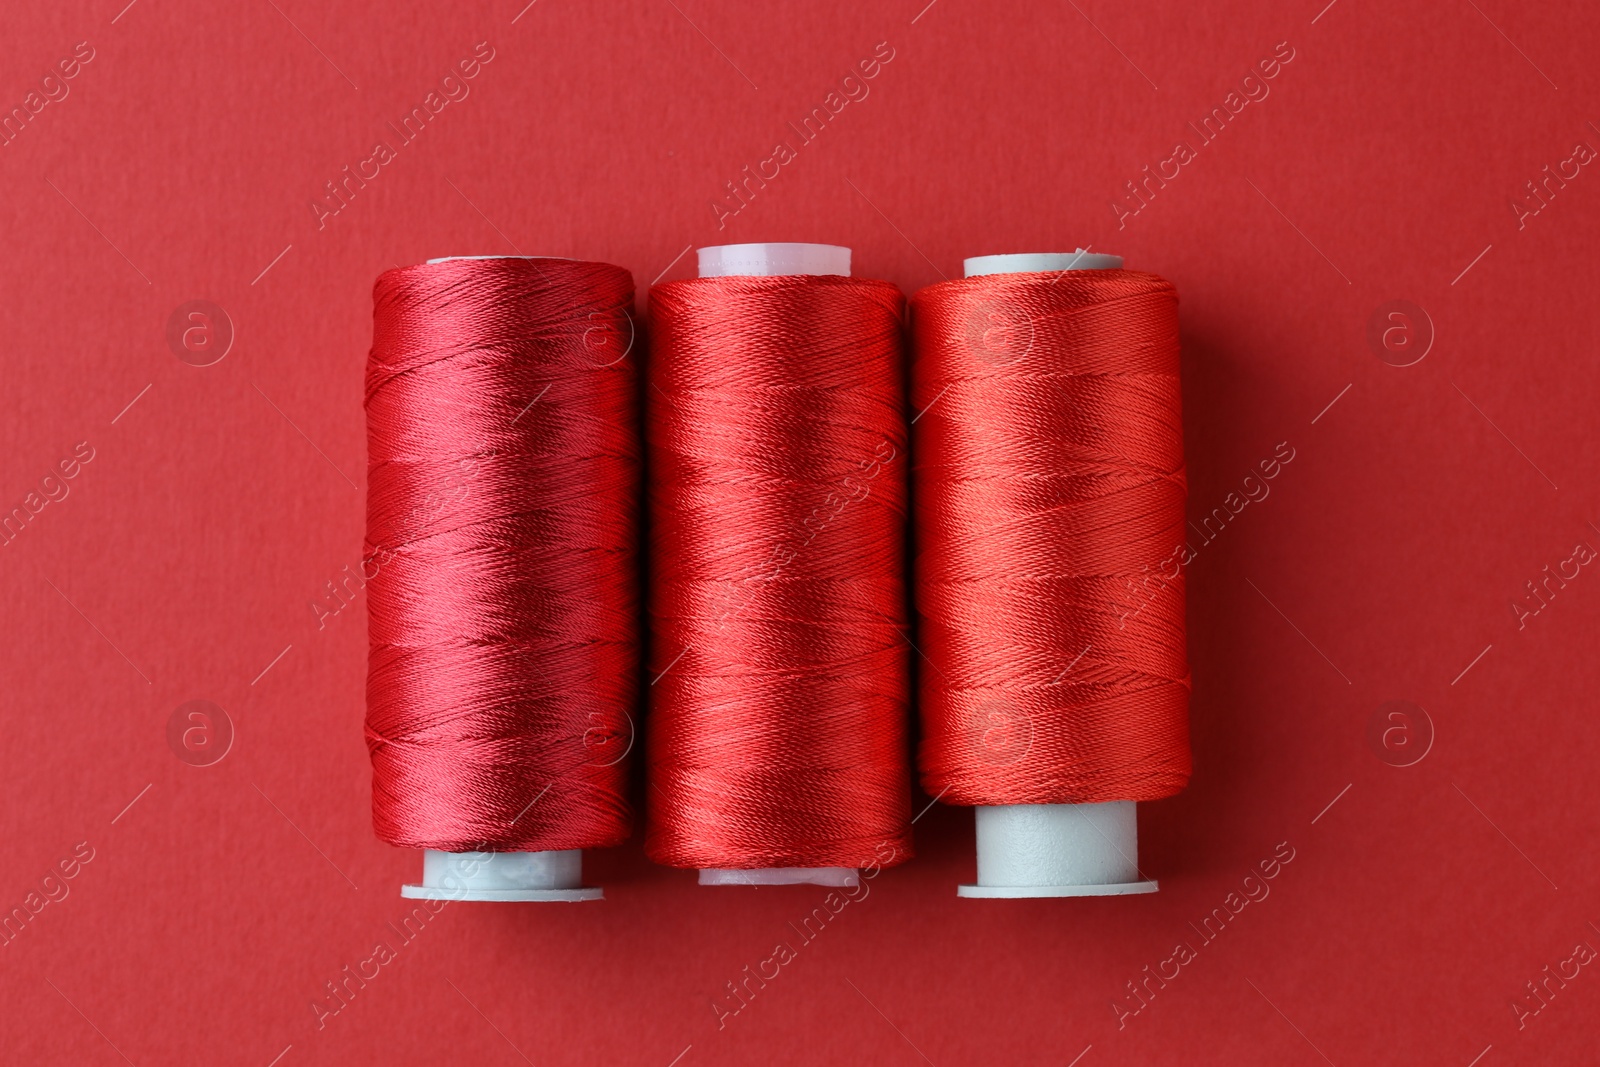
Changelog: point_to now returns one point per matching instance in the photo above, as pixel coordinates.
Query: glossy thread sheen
(1049, 487)
(779, 707)
(502, 548)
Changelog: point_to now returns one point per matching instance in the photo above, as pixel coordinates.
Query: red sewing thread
(502, 554)
(1049, 488)
(776, 431)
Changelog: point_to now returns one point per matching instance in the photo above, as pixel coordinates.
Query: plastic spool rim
(1054, 850)
(1034, 892)
(773, 258)
(1058, 850)
(765, 260)
(831, 876)
(1039, 262)
(555, 875)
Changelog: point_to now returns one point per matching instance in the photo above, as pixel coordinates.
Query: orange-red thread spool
(781, 687)
(1049, 485)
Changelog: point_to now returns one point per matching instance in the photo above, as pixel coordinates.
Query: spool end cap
(833, 876)
(1058, 850)
(773, 258)
(503, 876)
(1038, 262)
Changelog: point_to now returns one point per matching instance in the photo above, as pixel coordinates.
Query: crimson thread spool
(503, 573)
(1050, 490)
(780, 697)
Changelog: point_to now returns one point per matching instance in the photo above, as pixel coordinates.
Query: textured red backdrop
(209, 508)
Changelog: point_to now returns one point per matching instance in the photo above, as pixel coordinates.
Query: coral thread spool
(1087, 843)
(737, 658)
(504, 613)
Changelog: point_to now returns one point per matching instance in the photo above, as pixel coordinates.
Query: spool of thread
(780, 698)
(502, 553)
(1049, 486)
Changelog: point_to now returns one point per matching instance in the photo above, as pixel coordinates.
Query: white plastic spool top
(1055, 850)
(1038, 262)
(763, 261)
(502, 876)
(767, 260)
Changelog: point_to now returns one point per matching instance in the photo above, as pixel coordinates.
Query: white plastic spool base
(502, 876)
(1055, 850)
(764, 261)
(1058, 850)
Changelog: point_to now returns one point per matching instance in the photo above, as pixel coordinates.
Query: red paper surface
(180, 163)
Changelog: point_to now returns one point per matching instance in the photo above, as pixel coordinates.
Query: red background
(188, 552)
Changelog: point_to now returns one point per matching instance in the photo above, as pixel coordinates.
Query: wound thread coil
(780, 694)
(1049, 487)
(503, 546)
